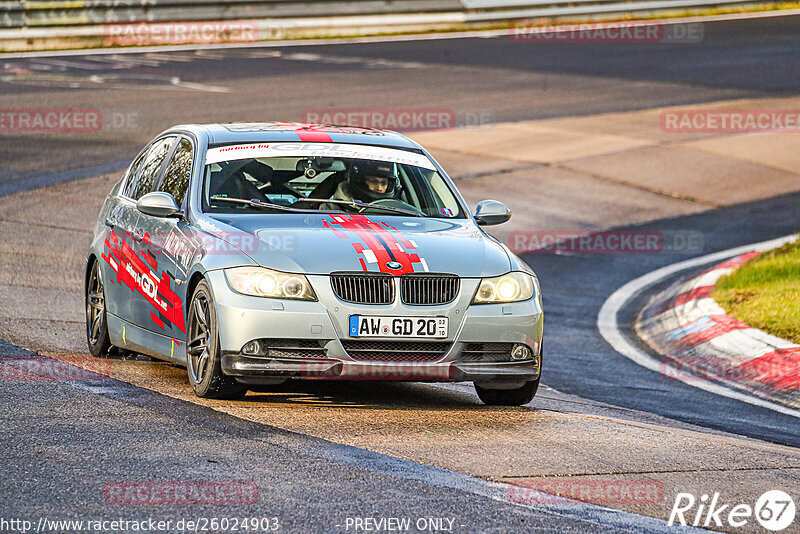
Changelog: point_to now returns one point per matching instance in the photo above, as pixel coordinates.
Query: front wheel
(202, 350)
(508, 397)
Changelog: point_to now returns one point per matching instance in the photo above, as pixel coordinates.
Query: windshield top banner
(328, 150)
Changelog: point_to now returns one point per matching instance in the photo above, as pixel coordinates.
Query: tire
(203, 363)
(96, 321)
(508, 397)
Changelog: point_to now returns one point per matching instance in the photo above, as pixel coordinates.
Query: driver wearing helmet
(367, 181)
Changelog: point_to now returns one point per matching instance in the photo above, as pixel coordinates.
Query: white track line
(609, 327)
(377, 39)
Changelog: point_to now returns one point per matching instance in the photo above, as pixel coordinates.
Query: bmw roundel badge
(394, 265)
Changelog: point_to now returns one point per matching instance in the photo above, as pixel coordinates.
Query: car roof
(258, 132)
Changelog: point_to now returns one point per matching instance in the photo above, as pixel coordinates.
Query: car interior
(289, 181)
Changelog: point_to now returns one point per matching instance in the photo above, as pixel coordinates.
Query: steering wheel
(395, 203)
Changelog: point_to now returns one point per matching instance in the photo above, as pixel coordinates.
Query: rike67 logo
(774, 510)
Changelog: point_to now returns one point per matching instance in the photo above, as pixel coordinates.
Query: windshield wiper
(359, 204)
(355, 203)
(260, 204)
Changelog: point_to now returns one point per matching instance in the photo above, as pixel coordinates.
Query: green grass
(765, 292)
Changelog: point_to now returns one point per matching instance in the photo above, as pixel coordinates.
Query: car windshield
(292, 177)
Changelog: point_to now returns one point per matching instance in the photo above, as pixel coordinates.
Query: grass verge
(765, 292)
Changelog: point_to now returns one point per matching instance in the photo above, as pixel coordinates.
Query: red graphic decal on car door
(135, 273)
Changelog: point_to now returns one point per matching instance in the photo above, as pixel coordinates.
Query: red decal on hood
(377, 245)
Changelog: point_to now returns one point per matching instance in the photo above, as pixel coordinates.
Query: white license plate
(375, 326)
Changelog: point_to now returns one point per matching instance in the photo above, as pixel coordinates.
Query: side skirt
(128, 336)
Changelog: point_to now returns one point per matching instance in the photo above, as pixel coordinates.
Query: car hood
(321, 244)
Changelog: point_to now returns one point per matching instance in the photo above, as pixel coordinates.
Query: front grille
(486, 352)
(363, 288)
(396, 351)
(429, 289)
(292, 348)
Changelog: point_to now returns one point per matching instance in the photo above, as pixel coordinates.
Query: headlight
(511, 287)
(262, 282)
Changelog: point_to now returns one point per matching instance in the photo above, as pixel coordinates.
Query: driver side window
(179, 171)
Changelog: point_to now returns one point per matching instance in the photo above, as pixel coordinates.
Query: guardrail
(548, 8)
(65, 13)
(59, 13)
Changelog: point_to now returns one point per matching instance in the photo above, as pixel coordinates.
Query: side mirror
(490, 212)
(158, 204)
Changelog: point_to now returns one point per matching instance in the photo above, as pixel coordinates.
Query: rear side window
(131, 177)
(179, 170)
(142, 180)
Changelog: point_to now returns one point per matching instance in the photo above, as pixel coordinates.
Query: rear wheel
(508, 397)
(96, 325)
(203, 361)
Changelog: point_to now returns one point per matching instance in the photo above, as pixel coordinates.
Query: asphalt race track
(576, 301)
(62, 440)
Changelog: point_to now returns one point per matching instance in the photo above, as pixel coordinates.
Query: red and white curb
(700, 344)
(699, 339)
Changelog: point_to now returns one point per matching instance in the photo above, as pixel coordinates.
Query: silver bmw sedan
(257, 253)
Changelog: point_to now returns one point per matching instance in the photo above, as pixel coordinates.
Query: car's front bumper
(242, 319)
(242, 365)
